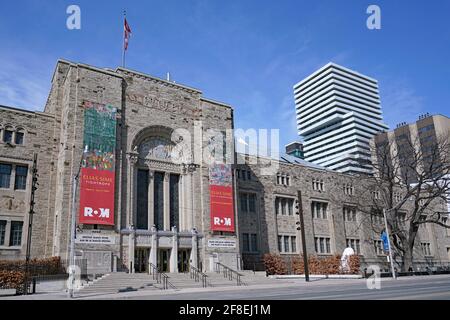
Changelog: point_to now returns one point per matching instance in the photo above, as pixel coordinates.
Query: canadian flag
(127, 34)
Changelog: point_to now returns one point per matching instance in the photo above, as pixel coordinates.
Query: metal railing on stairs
(229, 273)
(160, 277)
(196, 274)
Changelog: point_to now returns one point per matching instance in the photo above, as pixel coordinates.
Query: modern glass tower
(338, 113)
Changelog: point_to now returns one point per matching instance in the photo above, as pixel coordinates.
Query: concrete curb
(319, 276)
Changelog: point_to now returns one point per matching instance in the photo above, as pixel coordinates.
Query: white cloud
(24, 82)
(400, 103)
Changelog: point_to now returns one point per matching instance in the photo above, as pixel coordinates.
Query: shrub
(274, 264)
(46, 266)
(12, 280)
(325, 266)
(12, 273)
(355, 264)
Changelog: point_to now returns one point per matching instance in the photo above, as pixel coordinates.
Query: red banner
(221, 198)
(97, 197)
(98, 166)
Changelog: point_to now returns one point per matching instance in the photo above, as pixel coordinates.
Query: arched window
(19, 138)
(8, 135)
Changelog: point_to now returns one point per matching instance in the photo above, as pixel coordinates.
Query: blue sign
(384, 238)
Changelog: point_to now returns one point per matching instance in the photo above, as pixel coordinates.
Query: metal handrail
(160, 276)
(154, 271)
(228, 273)
(196, 273)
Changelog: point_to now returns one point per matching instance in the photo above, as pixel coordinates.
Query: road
(405, 288)
(423, 288)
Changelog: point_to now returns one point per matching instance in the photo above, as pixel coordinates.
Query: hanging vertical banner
(221, 198)
(97, 187)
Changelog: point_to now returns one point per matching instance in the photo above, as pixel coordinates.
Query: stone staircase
(124, 282)
(119, 282)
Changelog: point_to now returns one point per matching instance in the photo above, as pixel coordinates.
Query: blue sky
(247, 53)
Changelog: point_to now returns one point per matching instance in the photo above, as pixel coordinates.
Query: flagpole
(123, 45)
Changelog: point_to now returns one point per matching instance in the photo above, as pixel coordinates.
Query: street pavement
(404, 288)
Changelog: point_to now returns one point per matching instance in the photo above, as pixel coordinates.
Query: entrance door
(164, 260)
(184, 260)
(141, 260)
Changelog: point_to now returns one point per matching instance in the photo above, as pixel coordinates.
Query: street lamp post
(73, 226)
(34, 185)
(389, 245)
(72, 236)
(299, 211)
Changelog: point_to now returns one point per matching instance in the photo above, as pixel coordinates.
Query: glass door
(164, 260)
(141, 260)
(183, 260)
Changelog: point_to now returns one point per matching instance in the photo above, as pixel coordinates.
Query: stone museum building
(125, 153)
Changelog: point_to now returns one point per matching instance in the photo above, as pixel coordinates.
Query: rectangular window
(16, 233)
(158, 198)
(245, 242)
(2, 232)
(243, 200)
(174, 204)
(355, 245)
(254, 243)
(142, 200)
(247, 202)
(290, 204)
(294, 244)
(283, 207)
(286, 244)
(21, 178)
(7, 137)
(379, 247)
(323, 245)
(280, 243)
(252, 203)
(426, 248)
(350, 214)
(19, 138)
(249, 175)
(5, 175)
(319, 210)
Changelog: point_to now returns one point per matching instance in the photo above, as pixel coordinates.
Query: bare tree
(412, 183)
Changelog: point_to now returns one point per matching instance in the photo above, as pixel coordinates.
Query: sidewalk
(294, 283)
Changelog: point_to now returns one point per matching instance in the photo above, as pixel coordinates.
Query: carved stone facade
(151, 113)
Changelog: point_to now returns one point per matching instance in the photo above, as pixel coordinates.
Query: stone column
(194, 250)
(174, 252)
(154, 249)
(167, 202)
(132, 160)
(182, 204)
(151, 201)
(131, 245)
(189, 209)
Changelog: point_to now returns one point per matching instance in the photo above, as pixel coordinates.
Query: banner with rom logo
(221, 198)
(97, 186)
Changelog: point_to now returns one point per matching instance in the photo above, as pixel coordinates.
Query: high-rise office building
(338, 113)
(419, 147)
